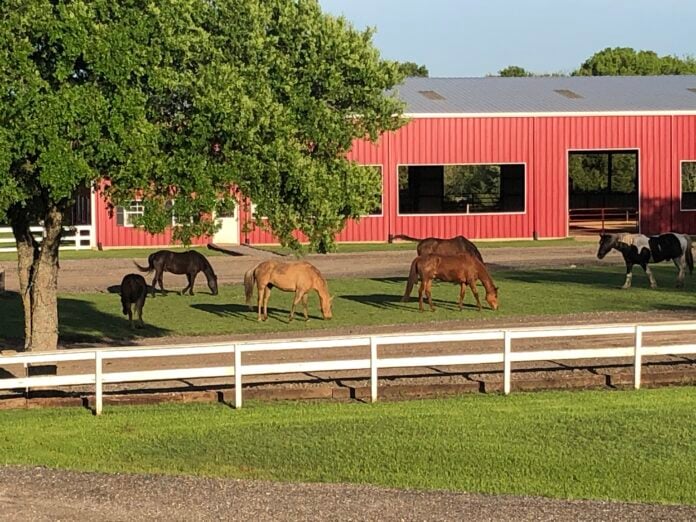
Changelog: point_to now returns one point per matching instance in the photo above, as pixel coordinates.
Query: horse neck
(485, 279)
(322, 288)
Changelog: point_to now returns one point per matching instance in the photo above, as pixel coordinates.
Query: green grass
(631, 446)
(97, 316)
(342, 248)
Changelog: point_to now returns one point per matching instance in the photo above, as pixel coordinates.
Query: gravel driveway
(42, 494)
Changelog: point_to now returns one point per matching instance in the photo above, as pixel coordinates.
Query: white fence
(637, 350)
(74, 238)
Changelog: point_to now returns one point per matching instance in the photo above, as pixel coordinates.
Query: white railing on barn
(637, 350)
(76, 237)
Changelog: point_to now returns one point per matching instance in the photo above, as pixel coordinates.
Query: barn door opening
(603, 192)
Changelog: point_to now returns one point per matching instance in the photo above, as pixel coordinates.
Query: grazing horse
(133, 292)
(189, 263)
(464, 269)
(638, 249)
(298, 276)
(444, 247)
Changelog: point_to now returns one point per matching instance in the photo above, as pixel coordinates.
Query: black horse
(638, 249)
(133, 292)
(189, 263)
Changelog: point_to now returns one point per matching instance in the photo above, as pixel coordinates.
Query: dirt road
(95, 275)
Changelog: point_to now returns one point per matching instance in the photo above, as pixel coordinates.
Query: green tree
(413, 69)
(177, 101)
(625, 61)
(514, 70)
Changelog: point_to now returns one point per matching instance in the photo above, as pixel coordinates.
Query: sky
(458, 38)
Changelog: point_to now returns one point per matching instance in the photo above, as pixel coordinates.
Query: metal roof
(548, 95)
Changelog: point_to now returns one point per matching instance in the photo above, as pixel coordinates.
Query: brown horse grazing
(444, 247)
(464, 269)
(299, 277)
(133, 292)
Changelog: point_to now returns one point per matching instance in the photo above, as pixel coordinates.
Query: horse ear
(331, 298)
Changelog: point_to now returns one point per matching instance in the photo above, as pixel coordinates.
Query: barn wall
(683, 149)
(109, 234)
(541, 143)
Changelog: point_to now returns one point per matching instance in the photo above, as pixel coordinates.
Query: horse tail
(689, 254)
(412, 279)
(249, 280)
(405, 237)
(150, 265)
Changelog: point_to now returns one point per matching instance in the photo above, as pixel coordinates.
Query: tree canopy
(176, 101)
(413, 69)
(625, 61)
(514, 71)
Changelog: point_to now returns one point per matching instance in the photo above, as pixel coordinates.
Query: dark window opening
(603, 191)
(461, 189)
(688, 185)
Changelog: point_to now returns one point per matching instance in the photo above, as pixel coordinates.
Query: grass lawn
(341, 248)
(631, 446)
(97, 316)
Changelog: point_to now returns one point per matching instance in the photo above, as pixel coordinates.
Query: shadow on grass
(80, 322)
(243, 312)
(582, 276)
(393, 302)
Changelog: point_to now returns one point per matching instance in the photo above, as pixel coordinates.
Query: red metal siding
(109, 234)
(683, 149)
(542, 144)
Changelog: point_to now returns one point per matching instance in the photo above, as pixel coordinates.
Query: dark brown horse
(189, 263)
(444, 247)
(133, 292)
(464, 269)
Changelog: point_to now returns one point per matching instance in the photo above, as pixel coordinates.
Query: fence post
(98, 383)
(637, 356)
(373, 369)
(237, 376)
(507, 368)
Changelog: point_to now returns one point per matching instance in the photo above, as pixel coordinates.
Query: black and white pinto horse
(638, 249)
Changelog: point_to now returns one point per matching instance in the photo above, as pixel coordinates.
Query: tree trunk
(38, 280)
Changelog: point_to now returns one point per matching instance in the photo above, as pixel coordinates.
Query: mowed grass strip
(97, 316)
(630, 446)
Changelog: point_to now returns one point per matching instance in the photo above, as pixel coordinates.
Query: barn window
(461, 189)
(125, 215)
(688, 185)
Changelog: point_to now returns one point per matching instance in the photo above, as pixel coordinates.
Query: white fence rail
(637, 350)
(77, 237)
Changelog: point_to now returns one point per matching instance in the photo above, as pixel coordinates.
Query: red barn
(515, 158)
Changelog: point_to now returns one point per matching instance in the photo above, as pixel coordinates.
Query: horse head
(212, 282)
(326, 306)
(492, 298)
(606, 243)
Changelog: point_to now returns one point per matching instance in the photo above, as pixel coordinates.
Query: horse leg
(259, 302)
(474, 290)
(192, 282)
(266, 298)
(130, 315)
(188, 278)
(629, 276)
(462, 291)
(429, 294)
(681, 266)
(161, 282)
(305, 299)
(295, 300)
(139, 308)
(420, 295)
(154, 282)
(648, 272)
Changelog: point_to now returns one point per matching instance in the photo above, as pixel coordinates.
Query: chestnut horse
(444, 247)
(464, 269)
(298, 276)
